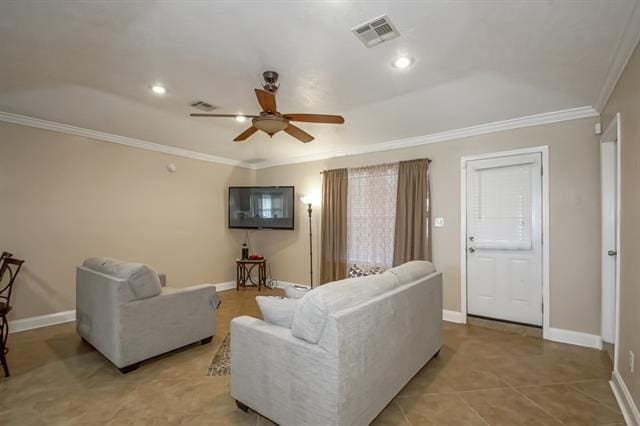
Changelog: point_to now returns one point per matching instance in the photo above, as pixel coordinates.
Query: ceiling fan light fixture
(270, 124)
(402, 62)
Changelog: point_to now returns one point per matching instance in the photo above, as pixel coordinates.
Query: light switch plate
(439, 222)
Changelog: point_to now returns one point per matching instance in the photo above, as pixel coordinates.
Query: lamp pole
(310, 247)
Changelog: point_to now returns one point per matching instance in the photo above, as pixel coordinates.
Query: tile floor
(483, 375)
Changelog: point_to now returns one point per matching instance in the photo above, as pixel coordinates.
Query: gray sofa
(353, 345)
(125, 312)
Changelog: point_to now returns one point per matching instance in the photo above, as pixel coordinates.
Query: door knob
(612, 253)
(471, 250)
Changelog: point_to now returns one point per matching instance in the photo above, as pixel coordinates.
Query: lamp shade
(310, 199)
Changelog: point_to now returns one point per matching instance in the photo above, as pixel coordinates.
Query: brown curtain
(333, 240)
(413, 221)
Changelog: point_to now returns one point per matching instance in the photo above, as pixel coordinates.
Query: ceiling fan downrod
(270, 81)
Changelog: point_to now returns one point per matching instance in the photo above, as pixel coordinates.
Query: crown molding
(497, 126)
(626, 45)
(121, 140)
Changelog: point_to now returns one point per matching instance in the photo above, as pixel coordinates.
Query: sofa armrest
(97, 314)
(174, 318)
(196, 292)
(286, 379)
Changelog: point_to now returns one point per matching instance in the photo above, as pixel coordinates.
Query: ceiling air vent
(376, 31)
(202, 105)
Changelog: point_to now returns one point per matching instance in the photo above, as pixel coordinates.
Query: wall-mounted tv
(261, 207)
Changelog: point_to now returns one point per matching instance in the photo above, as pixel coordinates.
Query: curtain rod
(380, 164)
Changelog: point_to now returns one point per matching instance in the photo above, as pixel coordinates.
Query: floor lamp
(309, 201)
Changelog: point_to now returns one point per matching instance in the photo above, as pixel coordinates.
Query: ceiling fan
(270, 120)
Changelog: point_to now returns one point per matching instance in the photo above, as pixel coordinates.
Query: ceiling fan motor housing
(270, 81)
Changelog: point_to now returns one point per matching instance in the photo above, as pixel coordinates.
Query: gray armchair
(125, 312)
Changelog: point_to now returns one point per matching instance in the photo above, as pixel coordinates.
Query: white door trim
(610, 135)
(613, 133)
(544, 151)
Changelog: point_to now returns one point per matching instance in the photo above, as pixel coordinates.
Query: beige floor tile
(571, 406)
(57, 379)
(599, 390)
(506, 407)
(236, 417)
(392, 415)
(438, 409)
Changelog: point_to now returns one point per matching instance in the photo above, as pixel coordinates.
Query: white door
(609, 196)
(504, 238)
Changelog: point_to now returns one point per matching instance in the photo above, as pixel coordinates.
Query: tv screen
(261, 207)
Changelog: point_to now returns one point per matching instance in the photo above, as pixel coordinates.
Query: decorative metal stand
(9, 267)
(243, 273)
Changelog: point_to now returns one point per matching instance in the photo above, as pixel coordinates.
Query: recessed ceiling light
(241, 118)
(402, 62)
(158, 90)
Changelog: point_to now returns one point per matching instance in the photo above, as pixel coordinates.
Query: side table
(243, 273)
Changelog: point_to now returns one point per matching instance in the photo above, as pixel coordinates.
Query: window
(371, 215)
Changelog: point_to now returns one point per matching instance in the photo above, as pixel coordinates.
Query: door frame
(544, 151)
(613, 133)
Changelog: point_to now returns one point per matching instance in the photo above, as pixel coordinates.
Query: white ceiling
(91, 65)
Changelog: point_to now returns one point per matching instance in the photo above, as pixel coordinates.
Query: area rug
(220, 365)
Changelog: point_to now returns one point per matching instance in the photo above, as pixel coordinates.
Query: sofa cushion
(412, 271)
(314, 308)
(277, 310)
(143, 281)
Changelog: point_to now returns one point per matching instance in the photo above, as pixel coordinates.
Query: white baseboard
(453, 316)
(553, 334)
(573, 338)
(283, 284)
(229, 285)
(25, 324)
(625, 401)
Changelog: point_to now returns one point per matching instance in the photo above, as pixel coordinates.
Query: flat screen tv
(261, 207)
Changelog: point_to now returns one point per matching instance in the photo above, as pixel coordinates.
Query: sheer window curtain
(371, 215)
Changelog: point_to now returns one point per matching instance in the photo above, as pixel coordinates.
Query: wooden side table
(243, 273)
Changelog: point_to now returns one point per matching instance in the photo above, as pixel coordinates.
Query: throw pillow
(361, 271)
(295, 292)
(143, 281)
(277, 310)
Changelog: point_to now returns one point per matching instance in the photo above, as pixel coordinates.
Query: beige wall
(626, 101)
(65, 198)
(574, 209)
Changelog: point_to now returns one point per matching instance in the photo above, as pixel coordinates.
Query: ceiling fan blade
(267, 100)
(198, 114)
(315, 118)
(298, 133)
(244, 135)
